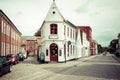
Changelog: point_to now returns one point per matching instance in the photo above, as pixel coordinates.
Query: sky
(103, 16)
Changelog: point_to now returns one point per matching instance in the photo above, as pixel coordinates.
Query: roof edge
(9, 21)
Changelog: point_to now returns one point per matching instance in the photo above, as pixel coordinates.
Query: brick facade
(94, 44)
(10, 37)
(29, 43)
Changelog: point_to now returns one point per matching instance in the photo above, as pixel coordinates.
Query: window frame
(53, 29)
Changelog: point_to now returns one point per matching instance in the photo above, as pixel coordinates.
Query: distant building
(93, 43)
(95, 47)
(85, 44)
(88, 31)
(29, 44)
(10, 36)
(38, 39)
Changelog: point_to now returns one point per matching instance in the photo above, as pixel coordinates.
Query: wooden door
(53, 52)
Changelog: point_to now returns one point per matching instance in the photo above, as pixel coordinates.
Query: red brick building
(88, 31)
(95, 50)
(10, 36)
(29, 43)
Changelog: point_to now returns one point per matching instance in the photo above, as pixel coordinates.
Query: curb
(84, 59)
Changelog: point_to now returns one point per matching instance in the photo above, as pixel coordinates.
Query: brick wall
(10, 37)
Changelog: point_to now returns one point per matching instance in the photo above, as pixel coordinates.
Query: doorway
(53, 52)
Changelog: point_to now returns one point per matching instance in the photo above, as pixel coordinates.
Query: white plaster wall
(85, 45)
(46, 45)
(78, 45)
(56, 16)
(46, 31)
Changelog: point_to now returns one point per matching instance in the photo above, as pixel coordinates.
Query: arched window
(53, 28)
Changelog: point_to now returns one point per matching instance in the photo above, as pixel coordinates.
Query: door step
(53, 62)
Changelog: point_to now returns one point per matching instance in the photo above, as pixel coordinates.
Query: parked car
(21, 56)
(13, 58)
(5, 66)
(25, 55)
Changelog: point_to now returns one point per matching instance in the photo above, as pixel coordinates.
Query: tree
(100, 48)
(38, 33)
(112, 46)
(113, 43)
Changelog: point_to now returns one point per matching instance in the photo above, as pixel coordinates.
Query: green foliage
(100, 48)
(112, 46)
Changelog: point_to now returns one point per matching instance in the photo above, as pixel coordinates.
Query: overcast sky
(102, 15)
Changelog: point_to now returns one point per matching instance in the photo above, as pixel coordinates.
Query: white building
(85, 46)
(60, 39)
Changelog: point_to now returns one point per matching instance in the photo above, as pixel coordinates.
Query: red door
(53, 52)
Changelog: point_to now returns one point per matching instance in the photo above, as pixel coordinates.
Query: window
(6, 29)
(53, 12)
(60, 52)
(68, 50)
(30, 48)
(2, 47)
(68, 31)
(46, 52)
(64, 30)
(73, 34)
(2, 27)
(71, 49)
(30, 42)
(53, 28)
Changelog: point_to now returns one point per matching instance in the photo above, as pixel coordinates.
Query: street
(99, 67)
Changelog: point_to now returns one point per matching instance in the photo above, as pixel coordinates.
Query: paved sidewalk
(31, 60)
(116, 58)
(82, 59)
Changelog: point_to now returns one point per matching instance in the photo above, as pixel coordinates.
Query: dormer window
(53, 28)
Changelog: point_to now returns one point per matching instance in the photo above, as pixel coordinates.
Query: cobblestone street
(98, 67)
